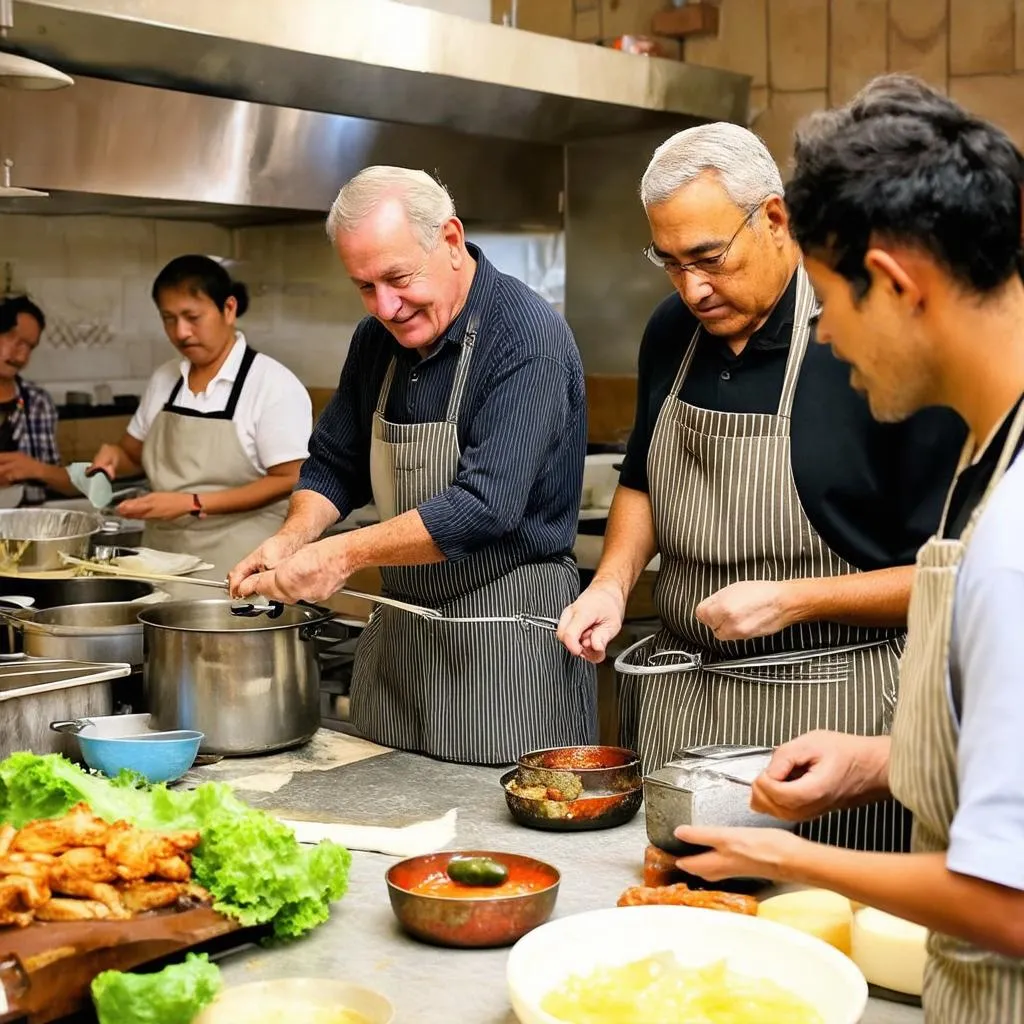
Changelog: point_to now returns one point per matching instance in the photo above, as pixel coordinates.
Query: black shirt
(873, 491)
(974, 479)
(522, 425)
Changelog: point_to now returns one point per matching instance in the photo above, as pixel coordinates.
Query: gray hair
(746, 169)
(426, 201)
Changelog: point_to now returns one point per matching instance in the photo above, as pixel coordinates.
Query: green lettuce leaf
(250, 862)
(175, 995)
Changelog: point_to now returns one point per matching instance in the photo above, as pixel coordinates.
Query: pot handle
(74, 726)
(26, 625)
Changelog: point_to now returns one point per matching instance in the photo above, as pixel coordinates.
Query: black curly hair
(903, 162)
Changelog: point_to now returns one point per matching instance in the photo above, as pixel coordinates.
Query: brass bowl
(472, 923)
(606, 788)
(585, 814)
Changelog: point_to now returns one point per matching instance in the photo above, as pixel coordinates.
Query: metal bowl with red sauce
(610, 788)
(466, 916)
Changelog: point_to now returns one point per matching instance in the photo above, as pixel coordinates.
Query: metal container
(34, 693)
(107, 632)
(51, 593)
(33, 539)
(251, 685)
(476, 922)
(704, 786)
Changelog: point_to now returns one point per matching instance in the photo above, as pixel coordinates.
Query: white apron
(481, 693)
(190, 452)
(726, 509)
(963, 984)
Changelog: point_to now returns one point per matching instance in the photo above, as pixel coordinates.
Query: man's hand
(739, 852)
(593, 620)
(269, 555)
(746, 610)
(820, 772)
(313, 573)
(158, 505)
(16, 467)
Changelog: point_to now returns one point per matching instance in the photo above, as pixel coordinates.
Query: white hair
(744, 166)
(426, 201)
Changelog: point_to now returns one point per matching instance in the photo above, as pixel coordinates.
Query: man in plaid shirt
(28, 417)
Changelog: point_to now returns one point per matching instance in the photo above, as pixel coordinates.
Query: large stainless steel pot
(33, 539)
(106, 633)
(252, 685)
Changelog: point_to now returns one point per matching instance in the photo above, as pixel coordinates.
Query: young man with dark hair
(908, 210)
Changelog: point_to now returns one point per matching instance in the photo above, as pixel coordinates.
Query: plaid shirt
(35, 431)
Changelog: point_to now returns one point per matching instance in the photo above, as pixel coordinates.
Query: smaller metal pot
(104, 633)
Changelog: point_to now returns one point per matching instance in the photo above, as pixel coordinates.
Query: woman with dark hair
(221, 433)
(29, 459)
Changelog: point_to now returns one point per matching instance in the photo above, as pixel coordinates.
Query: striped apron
(726, 510)
(963, 984)
(480, 693)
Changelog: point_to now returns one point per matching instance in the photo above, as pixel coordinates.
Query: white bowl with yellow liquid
(298, 1001)
(766, 958)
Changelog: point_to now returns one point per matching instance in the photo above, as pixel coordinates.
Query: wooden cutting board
(61, 959)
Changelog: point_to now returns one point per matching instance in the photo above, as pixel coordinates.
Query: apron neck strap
(462, 370)
(1005, 458)
(458, 385)
(805, 309)
(804, 312)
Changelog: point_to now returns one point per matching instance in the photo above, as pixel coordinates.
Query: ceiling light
(24, 73)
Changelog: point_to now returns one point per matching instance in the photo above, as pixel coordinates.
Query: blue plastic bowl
(162, 757)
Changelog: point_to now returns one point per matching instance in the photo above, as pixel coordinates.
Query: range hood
(376, 60)
(105, 147)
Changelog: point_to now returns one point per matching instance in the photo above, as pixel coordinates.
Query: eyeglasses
(706, 265)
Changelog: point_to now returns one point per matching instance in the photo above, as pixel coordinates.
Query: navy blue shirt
(522, 426)
(873, 491)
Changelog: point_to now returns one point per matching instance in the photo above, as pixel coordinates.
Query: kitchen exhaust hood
(376, 60)
(106, 147)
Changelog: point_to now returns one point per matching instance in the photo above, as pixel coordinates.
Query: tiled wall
(92, 277)
(807, 54)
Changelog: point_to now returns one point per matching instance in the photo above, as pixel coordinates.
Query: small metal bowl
(600, 769)
(472, 923)
(584, 814)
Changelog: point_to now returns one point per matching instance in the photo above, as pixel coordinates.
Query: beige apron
(191, 452)
(482, 692)
(963, 984)
(726, 510)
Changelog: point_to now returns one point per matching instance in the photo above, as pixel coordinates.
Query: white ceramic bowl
(806, 966)
(287, 999)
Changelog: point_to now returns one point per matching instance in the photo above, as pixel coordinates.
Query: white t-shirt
(274, 415)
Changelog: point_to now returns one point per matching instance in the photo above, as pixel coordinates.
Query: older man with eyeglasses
(786, 518)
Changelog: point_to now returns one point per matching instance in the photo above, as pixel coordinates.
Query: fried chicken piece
(173, 869)
(67, 883)
(79, 827)
(32, 858)
(19, 893)
(139, 897)
(88, 863)
(7, 834)
(59, 909)
(681, 895)
(16, 919)
(29, 869)
(137, 852)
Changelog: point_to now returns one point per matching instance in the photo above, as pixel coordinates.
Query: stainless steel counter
(362, 942)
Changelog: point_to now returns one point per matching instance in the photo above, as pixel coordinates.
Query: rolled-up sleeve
(987, 834)
(338, 466)
(524, 411)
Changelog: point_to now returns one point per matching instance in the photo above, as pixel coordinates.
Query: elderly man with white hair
(461, 414)
(787, 520)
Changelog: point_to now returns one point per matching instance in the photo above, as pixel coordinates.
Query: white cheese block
(889, 951)
(818, 912)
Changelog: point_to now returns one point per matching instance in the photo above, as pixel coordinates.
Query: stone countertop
(362, 942)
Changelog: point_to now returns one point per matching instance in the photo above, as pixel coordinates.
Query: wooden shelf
(689, 20)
